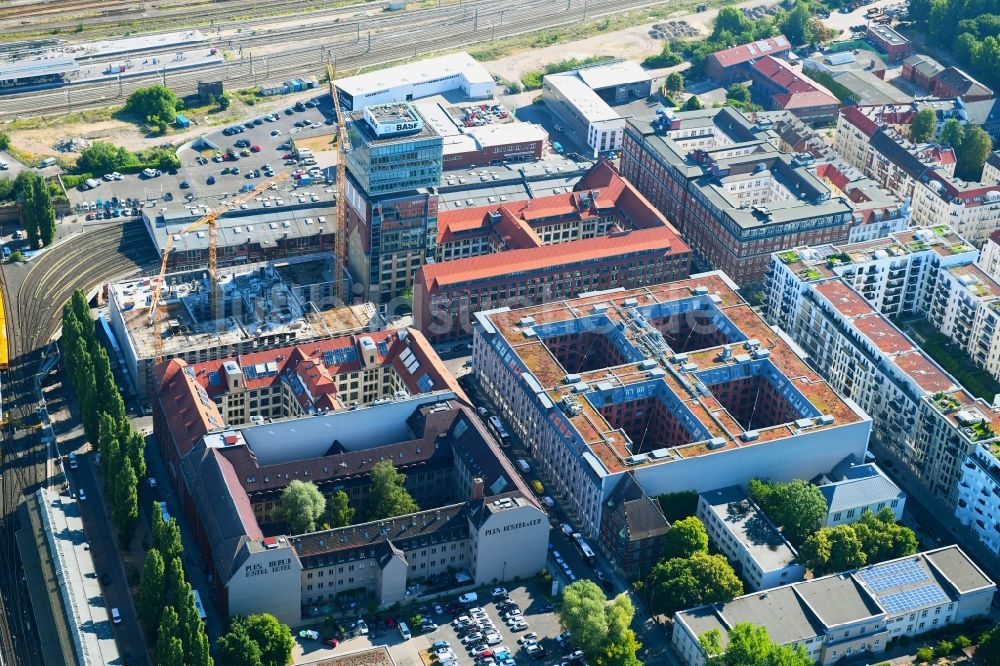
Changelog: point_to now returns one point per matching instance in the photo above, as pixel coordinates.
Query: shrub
(962, 642)
(925, 654)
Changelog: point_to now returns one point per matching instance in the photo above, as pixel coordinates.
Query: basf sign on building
(393, 119)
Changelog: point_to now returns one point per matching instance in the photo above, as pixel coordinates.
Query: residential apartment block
(731, 192)
(850, 614)
(978, 505)
(971, 209)
(839, 315)
(680, 386)
(868, 138)
(748, 539)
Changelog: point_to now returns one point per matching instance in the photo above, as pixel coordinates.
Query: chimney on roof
(478, 488)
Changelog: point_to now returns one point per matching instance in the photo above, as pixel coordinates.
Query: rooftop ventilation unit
(726, 353)
(571, 379)
(825, 419)
(527, 321)
(637, 459)
(760, 353)
(659, 454)
(679, 358)
(716, 443)
(689, 367)
(630, 302)
(699, 291)
(752, 343)
(750, 436)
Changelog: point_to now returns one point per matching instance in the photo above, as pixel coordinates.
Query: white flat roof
(498, 134)
(418, 72)
(579, 94)
(613, 74)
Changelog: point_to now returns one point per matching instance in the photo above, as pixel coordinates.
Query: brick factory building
(886, 39)
(732, 193)
(681, 386)
(734, 64)
(778, 87)
(602, 235)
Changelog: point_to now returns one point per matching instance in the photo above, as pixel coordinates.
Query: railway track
(33, 316)
(346, 53)
(112, 14)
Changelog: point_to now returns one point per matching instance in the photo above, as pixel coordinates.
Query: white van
(404, 631)
(523, 465)
(47, 162)
(116, 617)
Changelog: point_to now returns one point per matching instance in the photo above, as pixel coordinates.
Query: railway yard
(257, 49)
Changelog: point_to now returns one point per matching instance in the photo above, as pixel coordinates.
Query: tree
(101, 157)
(151, 591)
(110, 453)
(224, 101)
(738, 92)
(619, 613)
(583, 614)
(136, 448)
(976, 147)
(749, 645)
(154, 104)
(167, 632)
(674, 82)
(173, 654)
(943, 648)
(339, 512)
(166, 535)
(301, 506)
(919, 10)
(4, 141)
(796, 24)
(815, 552)
(236, 648)
(692, 104)
(109, 400)
(685, 538)
(846, 551)
(922, 126)
(711, 642)
(798, 506)
(698, 580)
(37, 213)
(176, 585)
(952, 133)
(989, 649)
(924, 655)
(388, 496)
(731, 20)
(272, 637)
(621, 652)
(125, 499)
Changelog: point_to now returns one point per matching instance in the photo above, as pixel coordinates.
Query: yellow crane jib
(207, 219)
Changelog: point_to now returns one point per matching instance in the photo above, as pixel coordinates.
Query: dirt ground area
(41, 139)
(634, 43)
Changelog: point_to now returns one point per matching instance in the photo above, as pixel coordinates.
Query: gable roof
(746, 52)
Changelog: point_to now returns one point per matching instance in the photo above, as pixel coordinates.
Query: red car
(390, 623)
(254, 149)
(332, 642)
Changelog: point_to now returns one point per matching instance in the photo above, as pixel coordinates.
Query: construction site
(255, 307)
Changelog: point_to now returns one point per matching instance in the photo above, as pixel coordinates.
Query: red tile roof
(549, 257)
(857, 118)
(187, 414)
(847, 301)
(746, 52)
(601, 189)
(800, 92)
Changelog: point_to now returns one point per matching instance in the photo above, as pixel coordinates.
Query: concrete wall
(800, 457)
(392, 581)
(268, 581)
(511, 543)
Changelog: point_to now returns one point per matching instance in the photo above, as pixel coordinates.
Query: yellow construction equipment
(340, 233)
(209, 219)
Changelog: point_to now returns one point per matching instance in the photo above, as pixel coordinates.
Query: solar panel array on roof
(213, 378)
(339, 356)
(920, 597)
(893, 574)
(425, 383)
(764, 45)
(383, 348)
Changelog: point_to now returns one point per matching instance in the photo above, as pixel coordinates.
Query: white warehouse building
(412, 81)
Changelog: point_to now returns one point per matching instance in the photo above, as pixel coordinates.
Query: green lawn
(977, 381)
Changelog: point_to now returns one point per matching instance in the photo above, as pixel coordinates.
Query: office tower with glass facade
(393, 170)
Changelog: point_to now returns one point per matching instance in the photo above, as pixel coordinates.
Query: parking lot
(206, 178)
(532, 600)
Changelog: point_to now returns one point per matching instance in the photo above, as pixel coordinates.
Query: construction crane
(340, 233)
(207, 219)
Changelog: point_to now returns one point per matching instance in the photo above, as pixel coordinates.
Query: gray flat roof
(959, 569)
(750, 527)
(257, 225)
(44, 67)
(838, 599)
